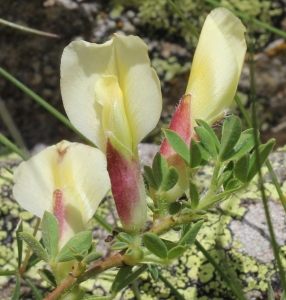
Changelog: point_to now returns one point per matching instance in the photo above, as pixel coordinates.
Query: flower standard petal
(140, 85)
(121, 104)
(68, 180)
(216, 66)
(125, 58)
(81, 65)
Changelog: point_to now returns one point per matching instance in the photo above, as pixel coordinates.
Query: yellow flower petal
(78, 171)
(110, 106)
(216, 65)
(125, 58)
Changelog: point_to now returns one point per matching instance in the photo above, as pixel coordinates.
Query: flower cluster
(113, 96)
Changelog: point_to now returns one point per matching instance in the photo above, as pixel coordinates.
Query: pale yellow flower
(110, 90)
(113, 96)
(68, 180)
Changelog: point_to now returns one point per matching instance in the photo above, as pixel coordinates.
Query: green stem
(171, 287)
(30, 30)
(102, 222)
(23, 269)
(268, 164)
(209, 202)
(260, 178)
(8, 272)
(136, 290)
(13, 147)
(43, 103)
(226, 278)
(181, 15)
(248, 18)
(10, 124)
(214, 181)
(243, 110)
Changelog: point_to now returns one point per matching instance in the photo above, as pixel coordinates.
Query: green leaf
(160, 168)
(93, 256)
(155, 245)
(185, 228)
(270, 292)
(35, 246)
(207, 141)
(245, 144)
(170, 179)
(36, 292)
(263, 152)
(205, 125)
(177, 251)
(227, 174)
(205, 154)
(233, 184)
(194, 195)
(231, 132)
(283, 296)
(153, 271)
(195, 154)
(129, 252)
(124, 237)
(19, 243)
(148, 173)
(50, 233)
(48, 276)
(169, 244)
(119, 246)
(119, 278)
(81, 241)
(241, 168)
(178, 144)
(16, 292)
(190, 237)
(174, 207)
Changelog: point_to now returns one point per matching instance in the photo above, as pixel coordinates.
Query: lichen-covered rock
(235, 235)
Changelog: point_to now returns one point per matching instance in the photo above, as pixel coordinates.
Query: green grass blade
(243, 110)
(8, 272)
(188, 24)
(19, 243)
(102, 222)
(36, 292)
(260, 178)
(29, 30)
(10, 124)
(268, 164)
(16, 292)
(248, 18)
(171, 287)
(239, 295)
(13, 147)
(43, 103)
(132, 277)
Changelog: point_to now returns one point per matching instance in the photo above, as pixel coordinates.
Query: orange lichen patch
(277, 48)
(119, 24)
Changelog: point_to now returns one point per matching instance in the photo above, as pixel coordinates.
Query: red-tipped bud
(127, 188)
